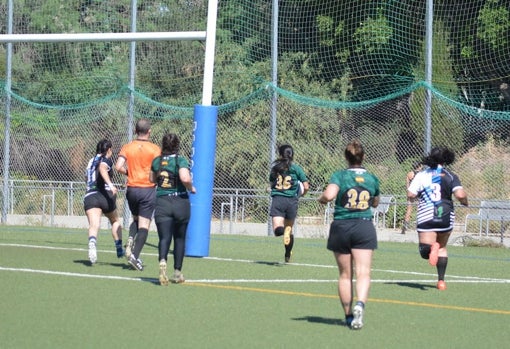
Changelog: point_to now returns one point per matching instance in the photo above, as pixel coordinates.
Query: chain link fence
(346, 69)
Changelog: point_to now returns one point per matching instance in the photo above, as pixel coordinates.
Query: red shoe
(434, 254)
(441, 285)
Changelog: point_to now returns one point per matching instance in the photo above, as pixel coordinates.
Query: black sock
(348, 319)
(133, 229)
(288, 248)
(140, 239)
(442, 262)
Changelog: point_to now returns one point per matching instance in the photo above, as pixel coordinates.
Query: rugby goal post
(205, 116)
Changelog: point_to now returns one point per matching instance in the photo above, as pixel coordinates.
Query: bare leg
(116, 232)
(94, 218)
(363, 262)
(345, 290)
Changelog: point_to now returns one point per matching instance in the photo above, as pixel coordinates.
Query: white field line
(451, 278)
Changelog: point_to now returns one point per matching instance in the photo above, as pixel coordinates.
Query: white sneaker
(177, 278)
(92, 252)
(129, 247)
(163, 278)
(357, 322)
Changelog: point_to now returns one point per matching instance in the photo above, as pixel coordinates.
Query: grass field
(242, 296)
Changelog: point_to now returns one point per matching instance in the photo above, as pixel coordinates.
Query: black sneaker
(135, 263)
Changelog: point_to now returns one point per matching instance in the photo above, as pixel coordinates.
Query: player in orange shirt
(135, 159)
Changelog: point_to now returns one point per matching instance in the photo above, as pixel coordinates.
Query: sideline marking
(213, 284)
(216, 283)
(452, 278)
(375, 300)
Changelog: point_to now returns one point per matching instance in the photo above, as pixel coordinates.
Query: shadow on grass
(273, 264)
(124, 266)
(321, 320)
(87, 263)
(411, 285)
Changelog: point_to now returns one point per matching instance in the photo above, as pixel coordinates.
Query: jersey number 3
(283, 183)
(357, 199)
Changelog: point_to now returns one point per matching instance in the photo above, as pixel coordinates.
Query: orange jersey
(139, 155)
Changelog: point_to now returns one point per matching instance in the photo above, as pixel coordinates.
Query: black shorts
(282, 206)
(172, 207)
(106, 201)
(348, 234)
(141, 201)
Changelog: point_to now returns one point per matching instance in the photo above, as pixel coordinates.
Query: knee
(278, 231)
(142, 232)
(424, 250)
(115, 223)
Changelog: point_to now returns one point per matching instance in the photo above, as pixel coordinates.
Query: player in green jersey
(288, 183)
(352, 235)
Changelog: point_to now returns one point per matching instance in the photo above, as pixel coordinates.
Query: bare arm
(329, 193)
(120, 165)
(461, 195)
(375, 201)
(185, 177)
(409, 178)
(103, 171)
(306, 187)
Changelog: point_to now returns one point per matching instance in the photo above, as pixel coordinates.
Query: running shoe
(177, 278)
(129, 248)
(135, 263)
(434, 254)
(287, 256)
(163, 278)
(92, 253)
(357, 321)
(286, 235)
(441, 285)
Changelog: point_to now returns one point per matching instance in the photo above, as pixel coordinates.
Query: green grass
(242, 296)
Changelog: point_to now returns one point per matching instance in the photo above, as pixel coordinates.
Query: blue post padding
(202, 169)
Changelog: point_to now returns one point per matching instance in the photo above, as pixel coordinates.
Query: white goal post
(204, 145)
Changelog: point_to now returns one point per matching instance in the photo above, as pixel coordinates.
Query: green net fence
(315, 74)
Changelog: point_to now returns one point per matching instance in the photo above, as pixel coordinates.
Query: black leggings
(167, 230)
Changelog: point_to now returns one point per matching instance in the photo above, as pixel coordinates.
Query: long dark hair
(282, 164)
(439, 156)
(102, 148)
(170, 144)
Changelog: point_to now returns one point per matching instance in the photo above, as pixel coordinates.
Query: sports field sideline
(242, 295)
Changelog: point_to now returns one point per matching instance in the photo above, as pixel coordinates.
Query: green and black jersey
(358, 188)
(287, 184)
(167, 170)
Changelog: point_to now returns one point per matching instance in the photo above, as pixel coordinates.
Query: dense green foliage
(360, 62)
